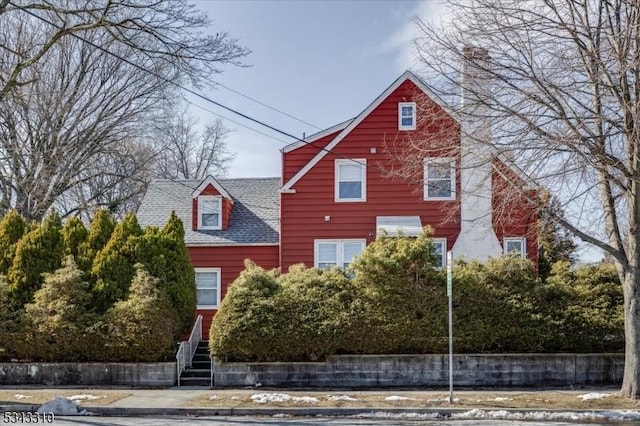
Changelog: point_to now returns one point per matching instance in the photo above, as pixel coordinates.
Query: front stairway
(199, 374)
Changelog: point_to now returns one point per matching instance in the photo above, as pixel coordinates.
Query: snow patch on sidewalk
(509, 415)
(84, 397)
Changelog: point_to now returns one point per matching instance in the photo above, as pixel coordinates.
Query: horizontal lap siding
(515, 209)
(230, 259)
(302, 213)
(295, 160)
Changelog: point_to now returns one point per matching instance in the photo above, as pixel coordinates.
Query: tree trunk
(631, 379)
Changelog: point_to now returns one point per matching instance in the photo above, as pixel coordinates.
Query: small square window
(208, 287)
(350, 180)
(407, 116)
(439, 179)
(515, 246)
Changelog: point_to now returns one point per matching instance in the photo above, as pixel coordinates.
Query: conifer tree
(59, 317)
(74, 234)
(113, 265)
(12, 228)
(39, 251)
(141, 328)
(100, 231)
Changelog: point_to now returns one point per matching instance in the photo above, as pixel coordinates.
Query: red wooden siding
(227, 207)
(303, 212)
(230, 260)
(296, 159)
(515, 209)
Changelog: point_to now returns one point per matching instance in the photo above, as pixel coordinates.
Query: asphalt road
(258, 421)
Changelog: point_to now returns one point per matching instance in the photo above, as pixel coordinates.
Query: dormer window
(209, 212)
(407, 116)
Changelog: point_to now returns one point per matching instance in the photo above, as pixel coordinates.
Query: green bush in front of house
(37, 252)
(57, 324)
(48, 309)
(396, 302)
(141, 327)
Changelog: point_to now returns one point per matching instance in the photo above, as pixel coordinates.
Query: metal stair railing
(187, 348)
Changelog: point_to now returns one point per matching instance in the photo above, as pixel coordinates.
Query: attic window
(407, 116)
(209, 212)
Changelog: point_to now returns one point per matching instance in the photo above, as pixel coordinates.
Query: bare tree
(562, 89)
(184, 152)
(167, 33)
(75, 111)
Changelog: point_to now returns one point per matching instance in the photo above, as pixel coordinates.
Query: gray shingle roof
(254, 219)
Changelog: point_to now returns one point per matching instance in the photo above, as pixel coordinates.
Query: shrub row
(109, 293)
(394, 301)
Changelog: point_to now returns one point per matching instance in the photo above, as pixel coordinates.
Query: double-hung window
(515, 246)
(351, 180)
(338, 253)
(407, 116)
(208, 288)
(209, 212)
(440, 246)
(439, 178)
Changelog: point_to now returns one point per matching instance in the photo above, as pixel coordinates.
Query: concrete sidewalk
(201, 401)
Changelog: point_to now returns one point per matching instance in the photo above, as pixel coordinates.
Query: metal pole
(450, 296)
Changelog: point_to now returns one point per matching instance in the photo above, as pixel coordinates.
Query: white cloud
(402, 40)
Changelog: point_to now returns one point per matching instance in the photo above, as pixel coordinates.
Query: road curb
(293, 412)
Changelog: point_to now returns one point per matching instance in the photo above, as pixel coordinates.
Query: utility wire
(267, 106)
(188, 90)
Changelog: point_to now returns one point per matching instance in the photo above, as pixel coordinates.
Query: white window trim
(340, 249)
(414, 116)
(452, 162)
(218, 284)
(521, 240)
(444, 249)
(336, 188)
(205, 198)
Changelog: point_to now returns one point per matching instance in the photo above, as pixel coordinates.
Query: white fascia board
(314, 137)
(407, 75)
(210, 180)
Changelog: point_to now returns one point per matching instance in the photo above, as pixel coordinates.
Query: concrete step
(201, 364)
(195, 381)
(196, 372)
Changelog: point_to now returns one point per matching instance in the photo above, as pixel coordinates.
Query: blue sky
(320, 61)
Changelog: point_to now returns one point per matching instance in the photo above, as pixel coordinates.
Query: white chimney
(477, 239)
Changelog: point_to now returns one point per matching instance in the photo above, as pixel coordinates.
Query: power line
(267, 106)
(188, 90)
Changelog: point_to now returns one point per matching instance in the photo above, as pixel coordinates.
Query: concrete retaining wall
(527, 370)
(94, 374)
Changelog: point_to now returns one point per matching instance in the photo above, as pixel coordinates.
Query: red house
(337, 192)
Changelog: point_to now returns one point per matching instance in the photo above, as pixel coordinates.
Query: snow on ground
(213, 398)
(512, 415)
(593, 395)
(62, 406)
(399, 398)
(20, 396)
(443, 400)
(264, 398)
(341, 398)
(84, 397)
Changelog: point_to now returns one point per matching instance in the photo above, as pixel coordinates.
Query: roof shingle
(254, 219)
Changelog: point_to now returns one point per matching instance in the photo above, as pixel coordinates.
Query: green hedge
(395, 302)
(96, 305)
